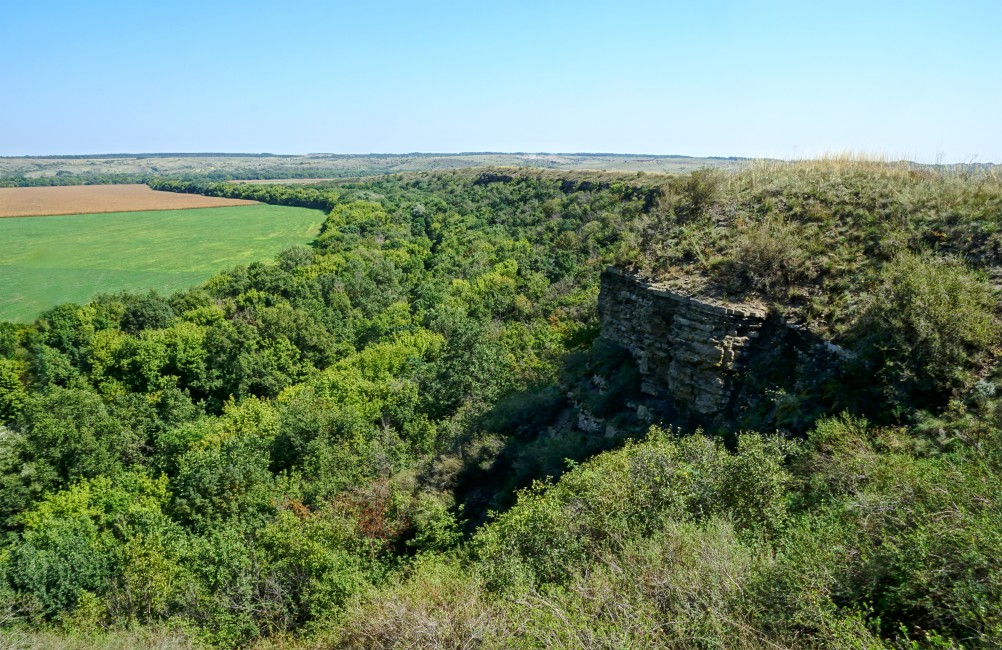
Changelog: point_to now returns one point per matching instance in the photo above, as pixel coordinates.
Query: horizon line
(224, 154)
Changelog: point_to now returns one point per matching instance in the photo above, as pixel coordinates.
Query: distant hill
(77, 169)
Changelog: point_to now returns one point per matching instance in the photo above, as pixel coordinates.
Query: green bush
(930, 324)
(770, 257)
(631, 493)
(75, 542)
(438, 605)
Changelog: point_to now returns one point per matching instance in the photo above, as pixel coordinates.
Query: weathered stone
(695, 354)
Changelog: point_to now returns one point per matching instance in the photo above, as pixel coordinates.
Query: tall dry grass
(144, 639)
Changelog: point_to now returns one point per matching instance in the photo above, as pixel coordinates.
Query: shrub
(438, 606)
(682, 584)
(929, 324)
(771, 257)
(631, 493)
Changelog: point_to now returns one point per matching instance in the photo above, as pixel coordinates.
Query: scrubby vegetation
(372, 442)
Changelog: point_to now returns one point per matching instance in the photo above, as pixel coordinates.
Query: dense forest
(373, 442)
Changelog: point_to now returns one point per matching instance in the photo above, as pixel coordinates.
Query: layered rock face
(706, 362)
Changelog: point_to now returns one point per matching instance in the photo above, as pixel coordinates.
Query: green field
(45, 261)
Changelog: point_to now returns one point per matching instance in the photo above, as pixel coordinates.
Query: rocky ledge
(709, 363)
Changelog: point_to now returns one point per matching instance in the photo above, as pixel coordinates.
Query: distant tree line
(71, 178)
(293, 195)
(67, 178)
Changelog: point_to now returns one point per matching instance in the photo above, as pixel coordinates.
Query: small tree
(12, 391)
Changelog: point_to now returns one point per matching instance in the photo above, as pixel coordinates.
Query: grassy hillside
(51, 260)
(900, 265)
(376, 442)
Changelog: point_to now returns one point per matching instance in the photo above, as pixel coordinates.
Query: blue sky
(917, 79)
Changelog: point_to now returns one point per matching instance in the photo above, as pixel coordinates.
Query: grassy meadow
(50, 260)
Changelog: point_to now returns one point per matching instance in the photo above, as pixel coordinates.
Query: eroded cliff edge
(713, 364)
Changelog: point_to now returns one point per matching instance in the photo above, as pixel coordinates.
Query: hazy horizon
(628, 154)
(774, 79)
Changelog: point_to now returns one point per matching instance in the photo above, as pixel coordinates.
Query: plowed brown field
(92, 199)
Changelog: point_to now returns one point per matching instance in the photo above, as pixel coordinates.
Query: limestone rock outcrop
(707, 362)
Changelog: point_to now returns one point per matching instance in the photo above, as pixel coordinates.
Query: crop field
(90, 199)
(47, 261)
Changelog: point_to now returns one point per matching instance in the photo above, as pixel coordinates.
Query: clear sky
(914, 79)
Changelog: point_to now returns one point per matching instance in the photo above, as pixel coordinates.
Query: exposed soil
(91, 199)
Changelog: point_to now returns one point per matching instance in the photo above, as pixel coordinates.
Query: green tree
(62, 435)
(12, 391)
